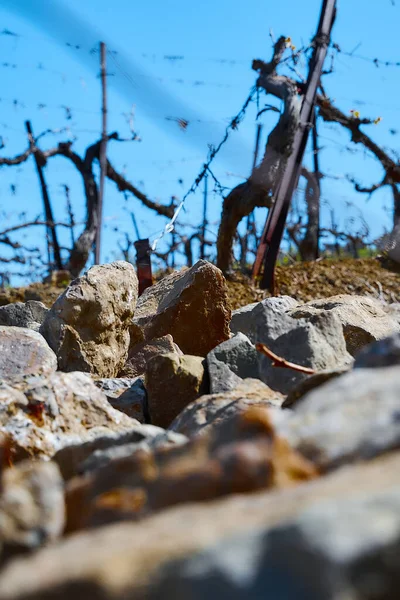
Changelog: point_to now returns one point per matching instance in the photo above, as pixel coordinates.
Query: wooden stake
(103, 151)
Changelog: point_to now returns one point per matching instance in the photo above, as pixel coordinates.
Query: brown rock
(210, 412)
(173, 382)
(140, 354)
(88, 326)
(122, 561)
(24, 352)
(245, 457)
(31, 506)
(42, 415)
(191, 305)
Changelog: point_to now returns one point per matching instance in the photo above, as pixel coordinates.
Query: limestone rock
(191, 305)
(31, 506)
(24, 352)
(29, 314)
(127, 395)
(88, 325)
(364, 319)
(316, 342)
(77, 458)
(135, 560)
(245, 457)
(172, 382)
(41, 415)
(140, 354)
(212, 411)
(230, 362)
(354, 417)
(384, 353)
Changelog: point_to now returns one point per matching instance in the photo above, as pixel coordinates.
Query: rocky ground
(167, 447)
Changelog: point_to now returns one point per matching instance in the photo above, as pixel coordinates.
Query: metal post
(273, 231)
(204, 227)
(50, 227)
(103, 151)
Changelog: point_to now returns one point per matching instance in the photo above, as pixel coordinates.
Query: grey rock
(29, 314)
(352, 544)
(41, 415)
(354, 417)
(127, 395)
(79, 457)
(364, 320)
(24, 352)
(316, 342)
(31, 506)
(159, 439)
(230, 362)
(384, 353)
(88, 325)
(244, 319)
(312, 382)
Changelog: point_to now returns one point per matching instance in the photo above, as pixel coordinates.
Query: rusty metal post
(268, 250)
(143, 264)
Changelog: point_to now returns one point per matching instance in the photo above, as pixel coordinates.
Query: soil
(303, 281)
(321, 279)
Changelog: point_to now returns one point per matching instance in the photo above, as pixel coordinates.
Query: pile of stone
(149, 450)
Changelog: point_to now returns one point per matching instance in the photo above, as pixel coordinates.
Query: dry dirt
(303, 281)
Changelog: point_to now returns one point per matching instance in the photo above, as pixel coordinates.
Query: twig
(278, 361)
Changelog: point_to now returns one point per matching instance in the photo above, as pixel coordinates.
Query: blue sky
(216, 42)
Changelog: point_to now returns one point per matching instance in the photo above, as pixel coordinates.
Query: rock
(384, 353)
(24, 352)
(29, 314)
(244, 319)
(191, 305)
(306, 385)
(160, 439)
(244, 457)
(352, 545)
(230, 362)
(135, 560)
(140, 354)
(393, 310)
(127, 395)
(211, 411)
(354, 417)
(172, 382)
(88, 325)
(41, 415)
(31, 506)
(77, 458)
(364, 319)
(316, 342)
